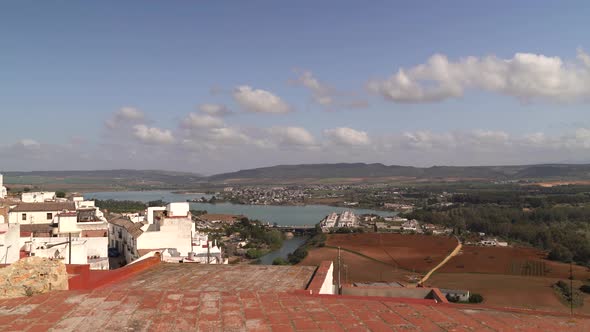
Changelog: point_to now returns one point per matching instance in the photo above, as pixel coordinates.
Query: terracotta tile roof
(47, 206)
(36, 228)
(222, 277)
(132, 228)
(161, 298)
(226, 218)
(137, 309)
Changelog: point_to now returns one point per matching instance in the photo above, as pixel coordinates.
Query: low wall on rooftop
(84, 278)
(322, 281)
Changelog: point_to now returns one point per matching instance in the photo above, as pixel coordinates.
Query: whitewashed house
(3, 190)
(38, 197)
(167, 229)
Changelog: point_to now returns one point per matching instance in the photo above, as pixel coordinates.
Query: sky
(216, 86)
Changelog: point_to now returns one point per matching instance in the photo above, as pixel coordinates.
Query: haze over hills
(345, 172)
(362, 170)
(105, 179)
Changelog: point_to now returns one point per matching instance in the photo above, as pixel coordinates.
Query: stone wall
(32, 275)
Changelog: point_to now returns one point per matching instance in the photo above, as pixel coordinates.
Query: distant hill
(125, 179)
(361, 170)
(104, 179)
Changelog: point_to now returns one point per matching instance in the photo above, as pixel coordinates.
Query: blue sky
(68, 69)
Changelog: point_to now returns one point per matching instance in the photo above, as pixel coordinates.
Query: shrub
(585, 288)
(254, 253)
(279, 261)
(298, 255)
(451, 298)
(475, 298)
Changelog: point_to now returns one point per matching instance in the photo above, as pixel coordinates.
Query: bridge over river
(299, 229)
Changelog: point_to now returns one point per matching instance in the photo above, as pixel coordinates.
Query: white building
(38, 213)
(411, 225)
(168, 229)
(46, 226)
(3, 191)
(347, 219)
(38, 197)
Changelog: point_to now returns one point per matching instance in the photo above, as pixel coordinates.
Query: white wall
(10, 243)
(32, 217)
(2, 188)
(150, 212)
(328, 285)
(180, 209)
(174, 233)
(82, 247)
(68, 224)
(37, 197)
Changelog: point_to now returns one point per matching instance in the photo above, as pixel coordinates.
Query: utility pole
(208, 259)
(571, 289)
(70, 248)
(339, 264)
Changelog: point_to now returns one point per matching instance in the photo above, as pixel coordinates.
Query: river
(289, 245)
(280, 214)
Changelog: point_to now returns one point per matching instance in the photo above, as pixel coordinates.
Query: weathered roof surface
(227, 278)
(46, 206)
(219, 217)
(166, 297)
(36, 228)
(184, 309)
(132, 228)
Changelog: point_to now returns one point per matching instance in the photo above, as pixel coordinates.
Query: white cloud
(214, 109)
(152, 135)
(130, 113)
(525, 76)
(325, 95)
(125, 114)
(200, 121)
(257, 100)
(292, 136)
(347, 136)
(28, 143)
(322, 94)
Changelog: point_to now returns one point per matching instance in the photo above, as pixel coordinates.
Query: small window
(49, 216)
(24, 216)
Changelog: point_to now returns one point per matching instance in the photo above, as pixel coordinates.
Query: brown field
(418, 253)
(549, 184)
(508, 290)
(356, 268)
(510, 261)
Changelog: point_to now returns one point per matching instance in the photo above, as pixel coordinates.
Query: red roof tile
(133, 305)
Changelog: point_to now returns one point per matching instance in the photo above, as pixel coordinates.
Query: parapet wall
(322, 281)
(86, 279)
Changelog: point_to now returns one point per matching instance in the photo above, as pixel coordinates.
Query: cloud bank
(525, 76)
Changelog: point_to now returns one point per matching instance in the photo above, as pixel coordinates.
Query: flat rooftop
(220, 278)
(194, 297)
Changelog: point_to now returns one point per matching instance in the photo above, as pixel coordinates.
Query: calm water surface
(282, 215)
(288, 247)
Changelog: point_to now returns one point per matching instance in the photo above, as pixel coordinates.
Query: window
(24, 216)
(49, 216)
